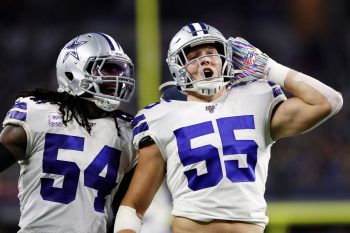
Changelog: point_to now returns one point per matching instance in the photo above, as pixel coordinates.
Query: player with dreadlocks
(74, 145)
(71, 106)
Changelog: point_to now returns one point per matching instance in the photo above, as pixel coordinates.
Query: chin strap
(107, 105)
(209, 88)
(103, 103)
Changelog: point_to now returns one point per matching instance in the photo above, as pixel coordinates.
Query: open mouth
(108, 92)
(108, 88)
(208, 73)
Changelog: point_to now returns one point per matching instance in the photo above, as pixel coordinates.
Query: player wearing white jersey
(74, 146)
(214, 148)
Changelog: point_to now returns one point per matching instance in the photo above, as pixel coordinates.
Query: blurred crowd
(312, 36)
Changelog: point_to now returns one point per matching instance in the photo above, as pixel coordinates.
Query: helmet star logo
(72, 49)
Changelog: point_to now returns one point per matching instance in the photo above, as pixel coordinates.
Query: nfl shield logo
(249, 58)
(210, 108)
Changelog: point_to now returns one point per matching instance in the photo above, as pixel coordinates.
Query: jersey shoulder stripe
(141, 128)
(276, 89)
(17, 115)
(17, 112)
(137, 119)
(139, 124)
(20, 105)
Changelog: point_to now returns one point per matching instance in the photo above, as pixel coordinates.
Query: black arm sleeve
(6, 158)
(123, 187)
(146, 141)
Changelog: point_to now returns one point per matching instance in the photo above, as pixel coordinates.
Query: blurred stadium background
(308, 188)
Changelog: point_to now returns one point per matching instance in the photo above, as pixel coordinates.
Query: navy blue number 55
(210, 154)
(108, 156)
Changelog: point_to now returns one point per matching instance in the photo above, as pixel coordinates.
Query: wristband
(276, 72)
(127, 219)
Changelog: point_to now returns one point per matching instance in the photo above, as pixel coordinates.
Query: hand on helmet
(249, 59)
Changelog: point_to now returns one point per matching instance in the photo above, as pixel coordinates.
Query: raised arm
(148, 177)
(312, 103)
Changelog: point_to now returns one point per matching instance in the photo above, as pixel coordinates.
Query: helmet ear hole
(69, 75)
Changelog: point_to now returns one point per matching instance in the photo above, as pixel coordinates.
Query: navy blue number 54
(108, 156)
(210, 154)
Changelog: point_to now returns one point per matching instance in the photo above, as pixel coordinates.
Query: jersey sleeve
(17, 115)
(32, 117)
(277, 96)
(147, 122)
(140, 128)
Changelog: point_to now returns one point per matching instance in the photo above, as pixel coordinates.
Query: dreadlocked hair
(115, 116)
(70, 106)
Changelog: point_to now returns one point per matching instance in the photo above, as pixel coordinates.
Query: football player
(73, 146)
(214, 147)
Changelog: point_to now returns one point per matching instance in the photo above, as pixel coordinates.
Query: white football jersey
(69, 177)
(217, 153)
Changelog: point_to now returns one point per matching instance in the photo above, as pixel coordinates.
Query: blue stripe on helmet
(205, 29)
(193, 30)
(108, 40)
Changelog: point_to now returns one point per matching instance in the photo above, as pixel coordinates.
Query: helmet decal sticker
(72, 49)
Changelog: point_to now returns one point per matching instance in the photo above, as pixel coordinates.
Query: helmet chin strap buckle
(107, 105)
(209, 88)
